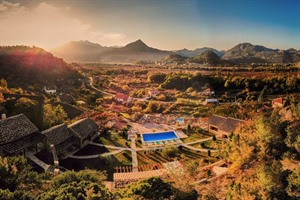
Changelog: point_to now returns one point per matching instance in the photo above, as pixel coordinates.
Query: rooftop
(83, 127)
(226, 124)
(57, 134)
(15, 127)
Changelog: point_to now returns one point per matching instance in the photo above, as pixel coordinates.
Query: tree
(53, 115)
(270, 180)
(293, 132)
(152, 189)
(170, 152)
(15, 173)
(293, 188)
(77, 185)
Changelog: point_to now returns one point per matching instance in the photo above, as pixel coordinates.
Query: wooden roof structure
(18, 133)
(226, 124)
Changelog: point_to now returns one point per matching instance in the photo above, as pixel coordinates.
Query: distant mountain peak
(137, 44)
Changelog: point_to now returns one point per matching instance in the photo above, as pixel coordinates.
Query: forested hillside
(23, 66)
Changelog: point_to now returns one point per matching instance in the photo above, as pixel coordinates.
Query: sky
(163, 24)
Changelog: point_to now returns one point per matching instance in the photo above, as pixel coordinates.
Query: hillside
(208, 57)
(174, 58)
(24, 66)
(198, 51)
(90, 52)
(246, 53)
(83, 51)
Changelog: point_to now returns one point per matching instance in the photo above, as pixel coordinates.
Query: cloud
(4, 6)
(47, 26)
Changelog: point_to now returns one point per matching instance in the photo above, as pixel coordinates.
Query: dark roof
(23, 143)
(57, 134)
(226, 124)
(83, 127)
(71, 111)
(16, 127)
(67, 98)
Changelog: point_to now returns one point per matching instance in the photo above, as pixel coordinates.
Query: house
(85, 129)
(50, 89)
(211, 101)
(223, 126)
(18, 135)
(66, 98)
(153, 93)
(207, 91)
(278, 102)
(122, 98)
(62, 139)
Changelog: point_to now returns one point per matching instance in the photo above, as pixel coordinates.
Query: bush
(170, 152)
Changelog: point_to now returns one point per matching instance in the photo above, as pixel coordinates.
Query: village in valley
(132, 125)
(149, 100)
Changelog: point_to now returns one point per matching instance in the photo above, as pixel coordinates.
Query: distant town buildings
(211, 101)
(50, 89)
(207, 92)
(278, 102)
(122, 98)
(153, 93)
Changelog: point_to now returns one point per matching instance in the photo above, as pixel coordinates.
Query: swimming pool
(151, 137)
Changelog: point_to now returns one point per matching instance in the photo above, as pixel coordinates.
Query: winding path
(91, 84)
(96, 155)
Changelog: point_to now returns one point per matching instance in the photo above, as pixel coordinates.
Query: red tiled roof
(122, 96)
(278, 100)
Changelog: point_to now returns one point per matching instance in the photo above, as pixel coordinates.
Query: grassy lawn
(113, 139)
(103, 164)
(208, 144)
(196, 135)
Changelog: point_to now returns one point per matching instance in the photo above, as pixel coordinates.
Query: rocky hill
(246, 53)
(210, 58)
(198, 51)
(23, 66)
(174, 58)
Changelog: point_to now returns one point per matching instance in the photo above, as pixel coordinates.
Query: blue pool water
(151, 137)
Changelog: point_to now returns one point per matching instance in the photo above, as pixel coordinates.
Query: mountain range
(244, 53)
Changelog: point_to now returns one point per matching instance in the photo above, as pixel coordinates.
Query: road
(101, 91)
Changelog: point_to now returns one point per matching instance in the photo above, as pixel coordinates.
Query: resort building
(18, 135)
(85, 129)
(62, 139)
(223, 126)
